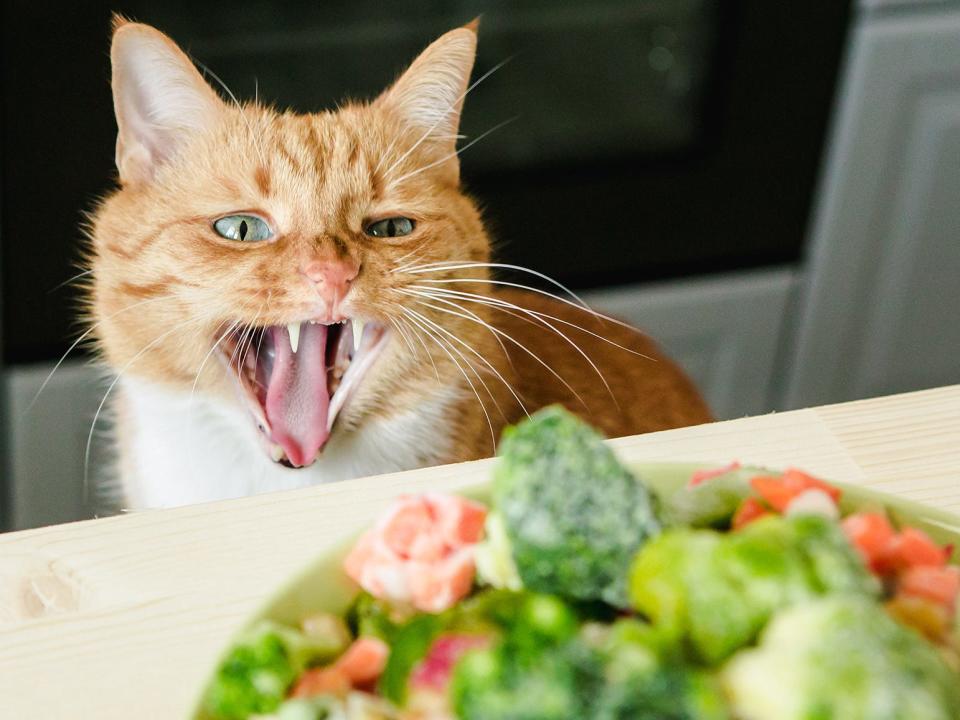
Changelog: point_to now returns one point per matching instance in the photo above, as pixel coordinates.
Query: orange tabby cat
(293, 299)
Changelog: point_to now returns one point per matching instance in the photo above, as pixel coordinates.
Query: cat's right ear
(159, 99)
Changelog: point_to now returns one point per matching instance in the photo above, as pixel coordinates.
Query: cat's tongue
(297, 399)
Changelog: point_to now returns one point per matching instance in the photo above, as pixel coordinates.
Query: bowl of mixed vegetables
(576, 587)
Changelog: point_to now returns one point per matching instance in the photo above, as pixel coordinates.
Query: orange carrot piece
(701, 476)
(871, 534)
(804, 481)
(364, 660)
(321, 681)
(913, 547)
(773, 490)
(939, 584)
(750, 509)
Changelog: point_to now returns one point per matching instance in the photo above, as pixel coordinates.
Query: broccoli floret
(260, 667)
(619, 672)
(573, 514)
(717, 592)
(555, 684)
(642, 681)
(539, 670)
(531, 621)
(841, 657)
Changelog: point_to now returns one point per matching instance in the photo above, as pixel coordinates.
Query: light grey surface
(882, 292)
(904, 5)
(47, 442)
(725, 331)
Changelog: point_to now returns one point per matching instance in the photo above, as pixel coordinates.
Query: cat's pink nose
(332, 277)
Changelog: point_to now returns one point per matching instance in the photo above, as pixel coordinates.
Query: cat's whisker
(483, 407)
(474, 317)
(103, 401)
(70, 280)
(478, 138)
(85, 335)
(249, 333)
(256, 138)
(414, 352)
(413, 252)
(406, 340)
(540, 317)
(193, 389)
(426, 324)
(447, 265)
(256, 358)
(413, 331)
(480, 357)
(233, 326)
(415, 319)
(538, 291)
(442, 117)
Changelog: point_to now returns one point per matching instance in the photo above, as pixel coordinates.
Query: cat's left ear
(429, 95)
(159, 99)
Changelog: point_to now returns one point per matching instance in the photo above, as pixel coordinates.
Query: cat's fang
(357, 324)
(294, 330)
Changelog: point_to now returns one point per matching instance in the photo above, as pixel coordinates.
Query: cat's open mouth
(297, 378)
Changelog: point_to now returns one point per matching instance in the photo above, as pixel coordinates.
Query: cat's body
(280, 290)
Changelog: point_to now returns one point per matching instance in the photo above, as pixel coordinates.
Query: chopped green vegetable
(643, 682)
(618, 672)
(494, 556)
(717, 591)
(573, 514)
(409, 645)
(261, 666)
(539, 670)
(372, 617)
(841, 657)
(709, 504)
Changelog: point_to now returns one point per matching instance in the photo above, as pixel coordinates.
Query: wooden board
(123, 617)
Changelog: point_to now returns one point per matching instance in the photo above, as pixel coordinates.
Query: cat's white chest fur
(180, 450)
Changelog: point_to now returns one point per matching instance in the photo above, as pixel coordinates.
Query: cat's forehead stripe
(262, 177)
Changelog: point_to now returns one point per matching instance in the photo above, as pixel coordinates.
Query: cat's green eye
(246, 228)
(390, 227)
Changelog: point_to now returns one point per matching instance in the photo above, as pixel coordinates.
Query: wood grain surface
(123, 617)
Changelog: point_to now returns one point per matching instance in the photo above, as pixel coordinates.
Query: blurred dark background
(654, 139)
(769, 189)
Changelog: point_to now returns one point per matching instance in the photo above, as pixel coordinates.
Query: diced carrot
(779, 491)
(804, 481)
(364, 660)
(871, 534)
(361, 663)
(913, 547)
(321, 681)
(701, 476)
(750, 509)
(929, 618)
(939, 584)
(773, 490)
